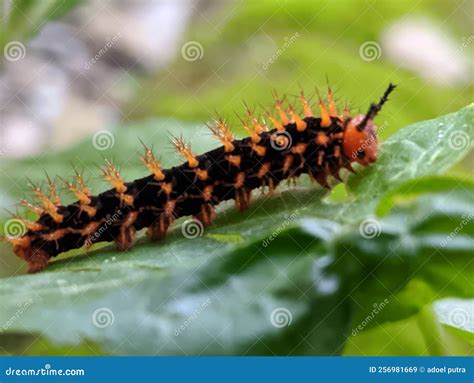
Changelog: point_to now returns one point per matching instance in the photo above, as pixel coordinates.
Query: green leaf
(457, 313)
(292, 275)
(419, 335)
(413, 188)
(442, 328)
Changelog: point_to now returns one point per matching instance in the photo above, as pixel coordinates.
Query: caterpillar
(317, 146)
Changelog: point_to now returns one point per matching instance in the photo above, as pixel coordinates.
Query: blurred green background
(317, 40)
(329, 37)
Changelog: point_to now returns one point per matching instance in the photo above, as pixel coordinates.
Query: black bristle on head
(374, 109)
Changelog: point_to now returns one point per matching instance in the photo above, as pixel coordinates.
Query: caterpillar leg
(206, 215)
(126, 238)
(36, 259)
(242, 199)
(157, 231)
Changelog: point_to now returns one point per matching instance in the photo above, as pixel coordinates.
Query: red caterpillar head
(360, 136)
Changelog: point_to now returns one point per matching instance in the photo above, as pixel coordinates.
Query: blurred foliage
(239, 38)
(320, 267)
(24, 18)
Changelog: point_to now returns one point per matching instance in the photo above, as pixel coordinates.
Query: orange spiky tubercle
(318, 146)
(223, 134)
(49, 206)
(185, 151)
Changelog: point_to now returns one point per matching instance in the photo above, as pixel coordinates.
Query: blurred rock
(150, 31)
(422, 46)
(21, 136)
(78, 73)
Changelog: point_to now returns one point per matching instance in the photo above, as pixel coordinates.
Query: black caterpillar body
(319, 146)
